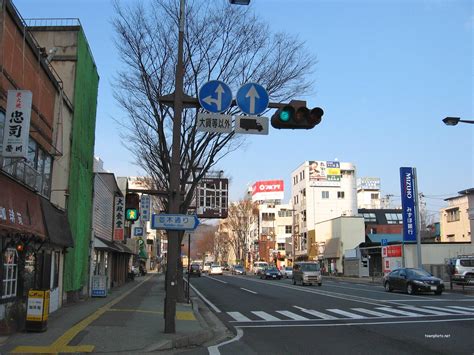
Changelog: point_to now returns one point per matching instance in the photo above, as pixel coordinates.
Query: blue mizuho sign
(407, 184)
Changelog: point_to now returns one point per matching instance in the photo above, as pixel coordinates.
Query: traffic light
(296, 115)
(132, 206)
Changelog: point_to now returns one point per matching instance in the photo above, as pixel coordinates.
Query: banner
(17, 124)
(407, 184)
(268, 190)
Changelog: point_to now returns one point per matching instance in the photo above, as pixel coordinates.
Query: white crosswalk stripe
(265, 316)
(424, 310)
(469, 309)
(292, 315)
(347, 314)
(318, 314)
(373, 313)
(399, 311)
(239, 317)
(451, 311)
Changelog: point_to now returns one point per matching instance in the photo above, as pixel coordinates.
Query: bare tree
(238, 223)
(221, 246)
(223, 42)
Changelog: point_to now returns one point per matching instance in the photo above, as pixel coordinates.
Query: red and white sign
(392, 258)
(392, 251)
(268, 190)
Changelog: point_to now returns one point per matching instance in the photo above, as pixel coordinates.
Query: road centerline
(255, 293)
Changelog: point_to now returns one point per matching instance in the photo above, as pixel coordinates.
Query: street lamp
(453, 121)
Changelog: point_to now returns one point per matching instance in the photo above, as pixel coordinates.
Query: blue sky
(388, 72)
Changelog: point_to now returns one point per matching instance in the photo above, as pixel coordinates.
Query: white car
(215, 270)
(287, 272)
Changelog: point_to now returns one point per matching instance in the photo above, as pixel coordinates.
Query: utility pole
(175, 187)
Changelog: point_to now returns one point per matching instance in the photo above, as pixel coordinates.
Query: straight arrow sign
(174, 221)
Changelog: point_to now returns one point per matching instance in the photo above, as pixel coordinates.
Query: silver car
(461, 269)
(287, 272)
(307, 273)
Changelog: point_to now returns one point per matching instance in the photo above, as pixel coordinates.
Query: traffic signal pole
(175, 187)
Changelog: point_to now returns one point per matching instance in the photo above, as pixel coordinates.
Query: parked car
(287, 272)
(238, 270)
(215, 269)
(307, 273)
(461, 269)
(195, 269)
(412, 280)
(259, 266)
(270, 273)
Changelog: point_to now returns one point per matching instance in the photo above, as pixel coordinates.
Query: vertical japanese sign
(407, 184)
(145, 207)
(17, 124)
(119, 218)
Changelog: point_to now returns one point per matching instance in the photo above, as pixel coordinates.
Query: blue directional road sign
(181, 222)
(252, 99)
(215, 96)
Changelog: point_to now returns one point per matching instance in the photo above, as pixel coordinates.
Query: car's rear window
(467, 262)
(310, 267)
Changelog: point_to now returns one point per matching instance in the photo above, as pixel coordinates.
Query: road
(274, 316)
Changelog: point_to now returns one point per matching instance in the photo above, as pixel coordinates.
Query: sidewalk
(130, 319)
(468, 290)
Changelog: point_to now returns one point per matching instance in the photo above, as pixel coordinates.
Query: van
(307, 273)
(461, 269)
(259, 266)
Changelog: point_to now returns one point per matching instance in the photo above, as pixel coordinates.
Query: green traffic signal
(131, 214)
(296, 115)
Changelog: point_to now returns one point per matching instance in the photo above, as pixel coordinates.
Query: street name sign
(252, 99)
(251, 125)
(174, 221)
(214, 122)
(215, 96)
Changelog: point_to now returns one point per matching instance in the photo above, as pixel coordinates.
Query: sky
(388, 72)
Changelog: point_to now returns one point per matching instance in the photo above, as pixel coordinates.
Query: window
(268, 216)
(340, 194)
(374, 196)
(281, 246)
(325, 194)
(284, 213)
(394, 218)
(453, 215)
(288, 229)
(369, 217)
(10, 273)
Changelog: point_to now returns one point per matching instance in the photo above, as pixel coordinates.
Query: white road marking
(213, 278)
(429, 311)
(448, 310)
(214, 350)
(463, 308)
(315, 313)
(217, 310)
(255, 293)
(292, 315)
(347, 314)
(399, 311)
(373, 313)
(266, 316)
(239, 317)
(353, 324)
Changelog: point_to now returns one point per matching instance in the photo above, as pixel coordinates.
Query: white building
(321, 190)
(368, 193)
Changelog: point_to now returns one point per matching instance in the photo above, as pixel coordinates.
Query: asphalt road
(274, 316)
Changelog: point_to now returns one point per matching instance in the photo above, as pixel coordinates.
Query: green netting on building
(81, 170)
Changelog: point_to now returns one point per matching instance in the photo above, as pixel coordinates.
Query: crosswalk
(303, 314)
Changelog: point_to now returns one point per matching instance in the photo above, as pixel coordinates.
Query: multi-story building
(457, 220)
(368, 193)
(321, 190)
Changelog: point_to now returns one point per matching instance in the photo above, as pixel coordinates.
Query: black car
(195, 269)
(412, 280)
(270, 273)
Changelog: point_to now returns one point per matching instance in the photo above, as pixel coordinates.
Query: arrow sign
(174, 221)
(215, 96)
(252, 99)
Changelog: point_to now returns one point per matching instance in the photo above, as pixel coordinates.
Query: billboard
(17, 124)
(268, 190)
(324, 173)
(407, 184)
(368, 183)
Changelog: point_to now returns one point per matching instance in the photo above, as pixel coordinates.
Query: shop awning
(20, 209)
(57, 225)
(109, 245)
(332, 248)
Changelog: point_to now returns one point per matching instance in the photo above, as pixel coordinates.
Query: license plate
(434, 288)
(274, 276)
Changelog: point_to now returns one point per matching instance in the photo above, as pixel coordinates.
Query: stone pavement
(130, 319)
